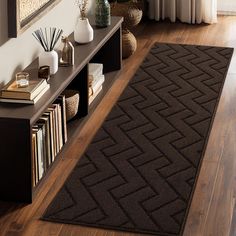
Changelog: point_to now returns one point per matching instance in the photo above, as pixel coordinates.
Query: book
(24, 101)
(62, 101)
(48, 116)
(39, 147)
(29, 93)
(94, 70)
(34, 160)
(56, 107)
(40, 153)
(56, 126)
(36, 155)
(94, 79)
(60, 126)
(91, 98)
(53, 132)
(93, 89)
(43, 149)
(48, 154)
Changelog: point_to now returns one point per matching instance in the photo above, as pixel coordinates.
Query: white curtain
(189, 11)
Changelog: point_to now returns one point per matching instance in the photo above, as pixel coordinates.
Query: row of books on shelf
(29, 95)
(49, 134)
(96, 80)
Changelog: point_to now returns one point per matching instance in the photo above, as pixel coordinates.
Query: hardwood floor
(213, 209)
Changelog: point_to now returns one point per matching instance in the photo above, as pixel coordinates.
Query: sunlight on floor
(232, 43)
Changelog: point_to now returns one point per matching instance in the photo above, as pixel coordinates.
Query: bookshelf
(16, 120)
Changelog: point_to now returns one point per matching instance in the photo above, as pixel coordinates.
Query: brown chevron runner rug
(140, 170)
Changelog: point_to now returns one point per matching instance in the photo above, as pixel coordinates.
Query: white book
(60, 126)
(91, 98)
(40, 153)
(95, 69)
(96, 79)
(55, 107)
(95, 87)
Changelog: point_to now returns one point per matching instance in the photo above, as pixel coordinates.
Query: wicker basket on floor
(72, 103)
(130, 11)
(129, 44)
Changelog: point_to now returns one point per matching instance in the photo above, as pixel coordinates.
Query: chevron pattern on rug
(139, 172)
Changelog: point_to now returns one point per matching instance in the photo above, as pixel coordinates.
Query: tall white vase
(50, 59)
(83, 31)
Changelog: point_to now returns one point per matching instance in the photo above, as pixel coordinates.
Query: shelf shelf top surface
(58, 82)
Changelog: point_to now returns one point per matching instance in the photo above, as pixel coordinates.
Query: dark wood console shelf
(16, 120)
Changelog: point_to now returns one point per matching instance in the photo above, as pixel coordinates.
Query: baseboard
(226, 13)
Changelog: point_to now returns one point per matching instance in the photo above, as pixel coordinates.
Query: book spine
(63, 114)
(97, 84)
(91, 98)
(40, 153)
(34, 160)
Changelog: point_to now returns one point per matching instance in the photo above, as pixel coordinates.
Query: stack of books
(29, 95)
(96, 80)
(49, 134)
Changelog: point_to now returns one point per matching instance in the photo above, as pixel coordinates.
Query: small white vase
(83, 31)
(50, 59)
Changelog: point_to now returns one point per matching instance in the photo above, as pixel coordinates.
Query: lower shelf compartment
(76, 124)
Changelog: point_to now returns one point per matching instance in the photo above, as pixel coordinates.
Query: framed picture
(23, 13)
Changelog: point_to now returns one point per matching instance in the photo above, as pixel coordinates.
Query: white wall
(17, 53)
(226, 5)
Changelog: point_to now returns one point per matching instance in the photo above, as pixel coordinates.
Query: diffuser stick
(47, 37)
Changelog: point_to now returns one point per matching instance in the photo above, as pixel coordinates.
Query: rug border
(106, 227)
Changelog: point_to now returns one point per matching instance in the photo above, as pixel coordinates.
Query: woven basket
(72, 103)
(130, 11)
(129, 44)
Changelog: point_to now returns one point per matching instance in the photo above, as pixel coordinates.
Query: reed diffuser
(48, 38)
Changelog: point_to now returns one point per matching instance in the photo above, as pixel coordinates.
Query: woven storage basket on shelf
(129, 43)
(130, 11)
(72, 103)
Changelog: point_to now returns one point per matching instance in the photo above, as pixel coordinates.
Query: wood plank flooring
(213, 209)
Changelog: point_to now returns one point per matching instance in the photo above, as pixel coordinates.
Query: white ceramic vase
(83, 31)
(50, 59)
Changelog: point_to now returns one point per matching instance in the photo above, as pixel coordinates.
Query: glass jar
(22, 79)
(102, 13)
